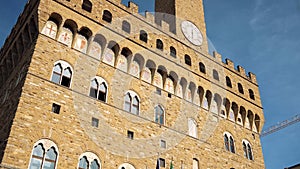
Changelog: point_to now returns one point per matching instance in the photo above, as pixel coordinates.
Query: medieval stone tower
(94, 84)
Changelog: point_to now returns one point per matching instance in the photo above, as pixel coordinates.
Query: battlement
(239, 69)
(165, 27)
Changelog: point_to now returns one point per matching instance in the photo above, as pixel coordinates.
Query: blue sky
(261, 35)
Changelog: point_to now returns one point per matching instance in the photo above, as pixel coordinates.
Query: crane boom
(280, 126)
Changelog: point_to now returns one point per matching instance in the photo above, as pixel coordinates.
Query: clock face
(192, 33)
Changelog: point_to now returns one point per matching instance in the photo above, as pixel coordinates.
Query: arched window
(37, 156)
(98, 89)
(95, 164)
(126, 166)
(159, 44)
(81, 42)
(173, 52)
(228, 82)
(159, 115)
(107, 16)
(132, 103)
(51, 27)
(226, 142)
(195, 163)
(216, 75)
(187, 60)
(67, 32)
(126, 27)
(41, 158)
(229, 142)
(143, 36)
(202, 68)
(247, 150)
(192, 126)
(89, 160)
(251, 94)
(87, 5)
(240, 88)
(62, 73)
(83, 163)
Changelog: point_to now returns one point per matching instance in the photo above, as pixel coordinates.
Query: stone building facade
(94, 84)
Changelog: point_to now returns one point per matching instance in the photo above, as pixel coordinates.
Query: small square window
(158, 91)
(55, 108)
(130, 134)
(95, 122)
(163, 144)
(169, 95)
(162, 162)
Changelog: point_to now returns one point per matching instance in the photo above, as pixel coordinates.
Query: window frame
(163, 114)
(87, 6)
(126, 26)
(143, 36)
(202, 67)
(187, 60)
(173, 52)
(107, 16)
(99, 81)
(230, 146)
(216, 75)
(46, 145)
(132, 95)
(90, 156)
(159, 44)
(64, 66)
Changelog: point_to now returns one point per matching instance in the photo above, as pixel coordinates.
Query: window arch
(83, 163)
(251, 94)
(240, 88)
(67, 33)
(107, 16)
(195, 163)
(87, 5)
(82, 38)
(126, 27)
(192, 127)
(126, 166)
(62, 73)
(159, 44)
(247, 150)
(98, 89)
(173, 52)
(132, 102)
(44, 153)
(202, 68)
(216, 75)
(159, 115)
(187, 60)
(229, 142)
(228, 82)
(51, 27)
(143, 36)
(89, 160)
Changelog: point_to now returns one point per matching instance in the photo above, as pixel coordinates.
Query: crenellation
(217, 56)
(230, 64)
(150, 17)
(252, 77)
(133, 7)
(165, 26)
(241, 70)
